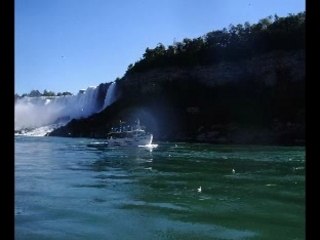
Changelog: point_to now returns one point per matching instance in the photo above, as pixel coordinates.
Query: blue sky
(68, 45)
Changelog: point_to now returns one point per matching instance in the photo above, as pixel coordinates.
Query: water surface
(67, 190)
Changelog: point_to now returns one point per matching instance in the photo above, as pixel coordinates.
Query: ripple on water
(66, 190)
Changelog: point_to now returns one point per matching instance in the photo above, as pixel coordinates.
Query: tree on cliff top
(232, 44)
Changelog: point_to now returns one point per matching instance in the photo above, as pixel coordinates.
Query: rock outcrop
(254, 101)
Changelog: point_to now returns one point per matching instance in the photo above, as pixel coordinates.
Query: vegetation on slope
(235, 44)
(262, 103)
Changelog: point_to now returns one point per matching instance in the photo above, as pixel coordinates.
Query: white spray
(36, 112)
(110, 96)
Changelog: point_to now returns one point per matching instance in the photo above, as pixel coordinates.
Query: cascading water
(110, 96)
(40, 115)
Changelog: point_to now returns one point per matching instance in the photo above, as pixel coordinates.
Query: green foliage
(37, 93)
(34, 93)
(64, 93)
(232, 44)
(48, 93)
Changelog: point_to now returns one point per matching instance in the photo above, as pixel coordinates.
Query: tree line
(232, 44)
(46, 93)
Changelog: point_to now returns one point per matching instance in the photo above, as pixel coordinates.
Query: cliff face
(257, 100)
(262, 68)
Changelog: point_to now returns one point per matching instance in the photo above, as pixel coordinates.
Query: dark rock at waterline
(256, 101)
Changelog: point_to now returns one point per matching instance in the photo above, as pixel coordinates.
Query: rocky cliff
(257, 100)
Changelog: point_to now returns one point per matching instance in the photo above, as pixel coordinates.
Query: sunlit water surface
(65, 189)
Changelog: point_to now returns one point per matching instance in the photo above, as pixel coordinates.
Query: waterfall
(36, 112)
(40, 115)
(110, 96)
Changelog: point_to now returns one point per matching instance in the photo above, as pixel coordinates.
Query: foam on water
(37, 116)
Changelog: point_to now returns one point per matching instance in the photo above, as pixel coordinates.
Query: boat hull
(132, 141)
